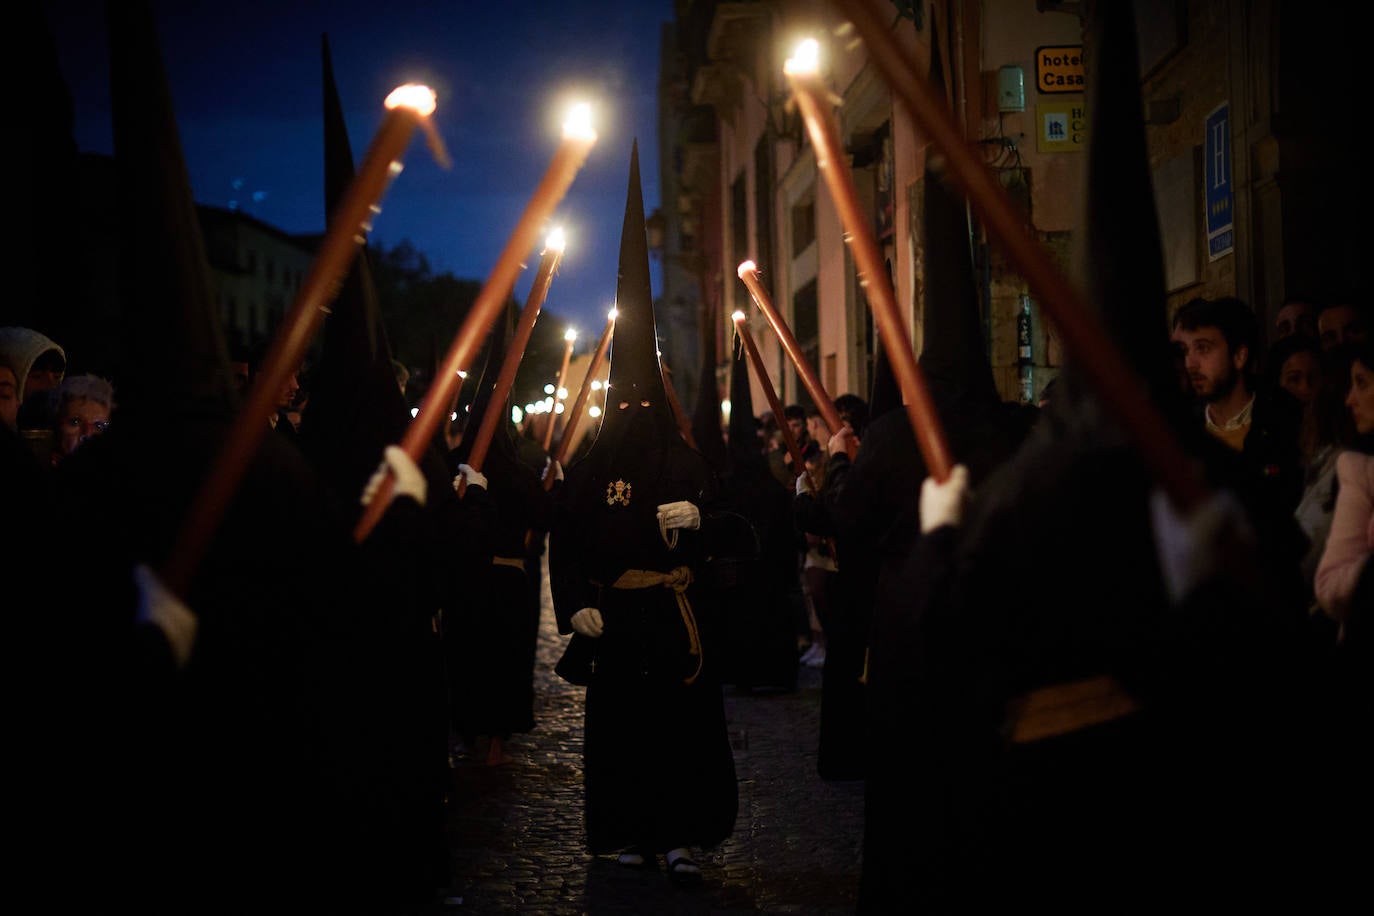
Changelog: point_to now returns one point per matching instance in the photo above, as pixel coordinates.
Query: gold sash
(677, 579)
(1064, 708)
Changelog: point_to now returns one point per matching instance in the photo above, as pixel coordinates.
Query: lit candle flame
(746, 267)
(805, 59)
(414, 96)
(579, 123)
(737, 316)
(570, 335)
(556, 241)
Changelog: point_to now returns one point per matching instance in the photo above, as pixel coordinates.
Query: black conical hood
(635, 372)
(356, 407)
(706, 415)
(45, 295)
(953, 353)
(175, 358)
(1118, 254)
(745, 456)
(886, 394)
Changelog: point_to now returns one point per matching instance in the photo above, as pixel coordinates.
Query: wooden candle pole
(578, 138)
(408, 106)
(560, 384)
(748, 272)
(1079, 328)
(798, 462)
(496, 407)
(834, 165)
(575, 415)
(684, 425)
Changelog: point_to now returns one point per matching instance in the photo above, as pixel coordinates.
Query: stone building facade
(1243, 105)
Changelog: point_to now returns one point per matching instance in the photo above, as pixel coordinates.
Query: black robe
(659, 769)
(757, 584)
(490, 635)
(1053, 580)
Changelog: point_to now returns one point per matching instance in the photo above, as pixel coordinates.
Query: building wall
(1195, 56)
(256, 272)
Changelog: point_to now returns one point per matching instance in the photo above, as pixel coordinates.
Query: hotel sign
(1059, 68)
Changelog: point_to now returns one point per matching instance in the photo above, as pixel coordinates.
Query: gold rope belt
(1064, 708)
(515, 562)
(677, 579)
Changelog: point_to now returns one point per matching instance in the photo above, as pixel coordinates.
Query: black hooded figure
(399, 718)
(706, 412)
(490, 637)
(1055, 590)
(876, 505)
(766, 601)
(625, 544)
(232, 768)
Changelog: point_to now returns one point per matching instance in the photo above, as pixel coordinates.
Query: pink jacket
(1351, 540)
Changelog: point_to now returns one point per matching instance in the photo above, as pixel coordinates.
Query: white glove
(160, 608)
(841, 440)
(474, 478)
(805, 486)
(674, 516)
(680, 514)
(1191, 548)
(588, 622)
(943, 503)
(556, 467)
(409, 481)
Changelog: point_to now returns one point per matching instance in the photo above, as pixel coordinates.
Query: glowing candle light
(803, 75)
(408, 107)
(575, 413)
(578, 139)
(748, 272)
(755, 360)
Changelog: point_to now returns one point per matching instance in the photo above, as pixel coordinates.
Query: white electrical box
(1011, 89)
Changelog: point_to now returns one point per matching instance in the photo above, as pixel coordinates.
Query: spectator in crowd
(80, 407)
(1297, 315)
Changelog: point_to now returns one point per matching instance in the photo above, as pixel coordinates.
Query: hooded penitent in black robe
(1052, 580)
(761, 603)
(490, 638)
(876, 504)
(226, 781)
(401, 728)
(659, 770)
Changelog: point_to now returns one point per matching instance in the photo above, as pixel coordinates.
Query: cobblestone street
(517, 829)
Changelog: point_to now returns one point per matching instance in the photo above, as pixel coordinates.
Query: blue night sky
(246, 84)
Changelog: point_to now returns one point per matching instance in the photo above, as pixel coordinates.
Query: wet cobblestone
(516, 830)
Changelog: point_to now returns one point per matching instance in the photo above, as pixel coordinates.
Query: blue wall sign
(1217, 192)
